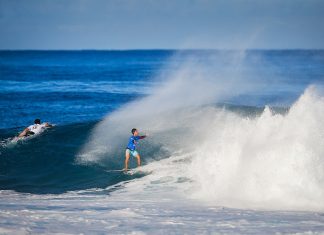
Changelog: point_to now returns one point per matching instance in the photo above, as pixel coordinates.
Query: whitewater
(251, 175)
(211, 165)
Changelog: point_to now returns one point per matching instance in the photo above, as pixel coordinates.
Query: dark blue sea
(227, 129)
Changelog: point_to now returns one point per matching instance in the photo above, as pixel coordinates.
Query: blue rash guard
(132, 142)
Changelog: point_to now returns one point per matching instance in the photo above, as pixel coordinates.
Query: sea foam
(272, 161)
(269, 160)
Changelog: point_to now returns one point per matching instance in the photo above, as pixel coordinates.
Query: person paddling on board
(34, 129)
(131, 148)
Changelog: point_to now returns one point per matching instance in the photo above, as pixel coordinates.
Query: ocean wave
(46, 163)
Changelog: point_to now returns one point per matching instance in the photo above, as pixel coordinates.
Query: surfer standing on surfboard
(34, 129)
(131, 148)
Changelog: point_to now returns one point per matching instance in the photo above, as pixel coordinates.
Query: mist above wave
(273, 161)
(268, 160)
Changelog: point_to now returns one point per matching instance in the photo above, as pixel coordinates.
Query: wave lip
(273, 161)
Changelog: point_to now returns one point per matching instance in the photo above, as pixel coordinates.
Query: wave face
(46, 163)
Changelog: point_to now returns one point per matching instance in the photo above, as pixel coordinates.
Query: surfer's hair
(133, 130)
(37, 121)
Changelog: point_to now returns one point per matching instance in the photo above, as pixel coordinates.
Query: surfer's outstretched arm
(48, 125)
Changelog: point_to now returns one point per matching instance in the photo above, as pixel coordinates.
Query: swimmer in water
(34, 129)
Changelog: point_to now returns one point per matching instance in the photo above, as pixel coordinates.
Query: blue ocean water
(229, 128)
(76, 89)
(73, 90)
(70, 86)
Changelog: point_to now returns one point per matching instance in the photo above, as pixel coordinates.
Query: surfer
(34, 129)
(131, 148)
